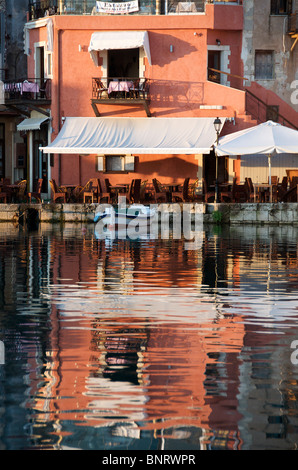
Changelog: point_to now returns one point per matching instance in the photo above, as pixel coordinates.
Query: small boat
(109, 233)
(123, 215)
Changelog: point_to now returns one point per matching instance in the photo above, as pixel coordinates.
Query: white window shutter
(129, 163)
(100, 163)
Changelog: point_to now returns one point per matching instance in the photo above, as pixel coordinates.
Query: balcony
(120, 91)
(41, 8)
(22, 94)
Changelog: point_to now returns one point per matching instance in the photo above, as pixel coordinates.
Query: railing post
(158, 7)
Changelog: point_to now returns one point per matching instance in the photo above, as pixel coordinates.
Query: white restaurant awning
(118, 135)
(31, 124)
(107, 40)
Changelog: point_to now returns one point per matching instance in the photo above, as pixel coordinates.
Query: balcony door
(123, 63)
(40, 162)
(214, 65)
(40, 63)
(2, 151)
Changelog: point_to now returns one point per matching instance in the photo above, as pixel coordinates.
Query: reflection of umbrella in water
(268, 138)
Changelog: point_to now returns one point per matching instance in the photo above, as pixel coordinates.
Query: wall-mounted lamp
(171, 48)
(218, 42)
(80, 48)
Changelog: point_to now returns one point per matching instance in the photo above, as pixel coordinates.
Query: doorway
(40, 161)
(213, 65)
(123, 63)
(2, 150)
(209, 169)
(40, 65)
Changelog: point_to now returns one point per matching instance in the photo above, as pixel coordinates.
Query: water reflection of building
(148, 357)
(123, 353)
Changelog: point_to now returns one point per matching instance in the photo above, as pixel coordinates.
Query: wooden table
(258, 186)
(121, 86)
(69, 189)
(119, 188)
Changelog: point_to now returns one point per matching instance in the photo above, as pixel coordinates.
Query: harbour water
(148, 343)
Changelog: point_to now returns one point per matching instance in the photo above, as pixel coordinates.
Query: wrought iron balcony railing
(41, 8)
(120, 88)
(27, 89)
(127, 91)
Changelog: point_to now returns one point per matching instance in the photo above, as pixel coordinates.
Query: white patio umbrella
(268, 138)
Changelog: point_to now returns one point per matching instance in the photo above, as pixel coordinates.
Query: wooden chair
(250, 195)
(91, 190)
(282, 188)
(226, 194)
(107, 189)
(100, 88)
(294, 181)
(207, 193)
(289, 196)
(144, 88)
(21, 195)
(134, 91)
(129, 193)
(134, 192)
(145, 191)
(37, 193)
(104, 192)
(43, 90)
(196, 191)
(274, 179)
(182, 195)
(158, 193)
(137, 191)
(5, 181)
(239, 192)
(274, 182)
(77, 193)
(4, 195)
(57, 192)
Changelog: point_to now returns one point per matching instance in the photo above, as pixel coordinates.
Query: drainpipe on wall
(58, 99)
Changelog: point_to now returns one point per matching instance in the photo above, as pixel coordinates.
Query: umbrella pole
(269, 164)
(216, 178)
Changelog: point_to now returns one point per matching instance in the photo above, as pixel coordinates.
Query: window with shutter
(117, 163)
(264, 65)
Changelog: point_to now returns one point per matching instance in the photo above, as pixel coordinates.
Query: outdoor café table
(258, 186)
(29, 87)
(69, 189)
(117, 189)
(12, 189)
(119, 86)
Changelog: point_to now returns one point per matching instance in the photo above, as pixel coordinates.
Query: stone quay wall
(246, 213)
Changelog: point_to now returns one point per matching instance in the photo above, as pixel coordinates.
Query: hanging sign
(117, 7)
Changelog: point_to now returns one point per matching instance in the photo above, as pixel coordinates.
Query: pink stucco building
(189, 57)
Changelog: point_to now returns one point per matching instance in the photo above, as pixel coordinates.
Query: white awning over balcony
(107, 40)
(121, 135)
